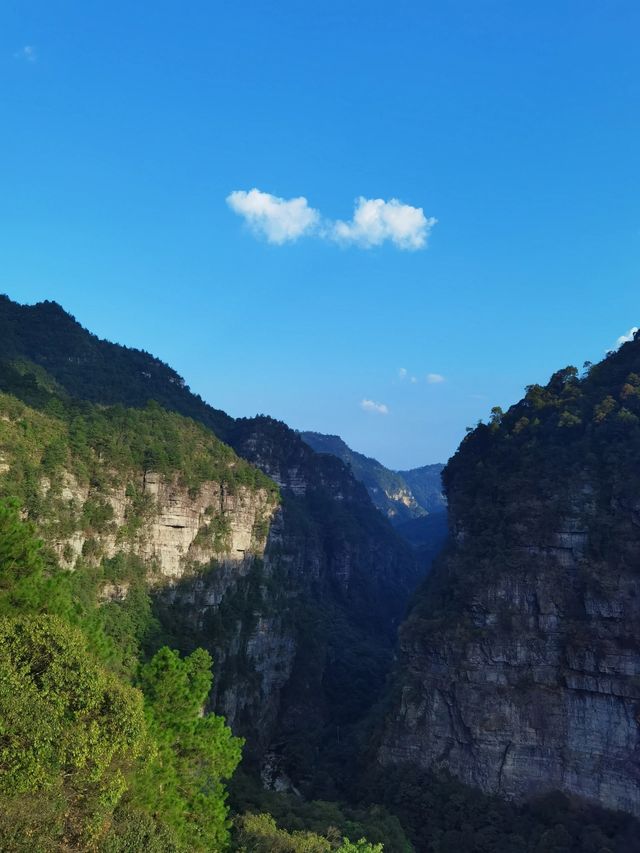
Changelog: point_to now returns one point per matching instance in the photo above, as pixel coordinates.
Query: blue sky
(125, 127)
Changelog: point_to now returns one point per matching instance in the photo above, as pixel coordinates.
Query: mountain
(425, 484)
(520, 659)
(144, 534)
(92, 369)
(400, 495)
(273, 558)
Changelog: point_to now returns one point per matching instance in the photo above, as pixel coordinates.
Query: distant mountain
(426, 486)
(400, 495)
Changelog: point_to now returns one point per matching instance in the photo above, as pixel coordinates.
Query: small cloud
(435, 378)
(279, 220)
(372, 406)
(27, 53)
(376, 221)
(414, 379)
(402, 372)
(624, 339)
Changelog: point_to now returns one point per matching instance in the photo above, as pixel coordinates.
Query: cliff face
(521, 660)
(178, 529)
(309, 630)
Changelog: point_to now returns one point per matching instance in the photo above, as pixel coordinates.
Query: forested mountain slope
(291, 623)
(96, 370)
(521, 659)
(400, 495)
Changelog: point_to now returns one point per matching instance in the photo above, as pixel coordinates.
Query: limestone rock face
(538, 690)
(520, 669)
(174, 526)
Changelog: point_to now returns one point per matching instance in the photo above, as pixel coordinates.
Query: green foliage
(85, 367)
(74, 737)
(29, 583)
(360, 846)
(67, 726)
(136, 831)
(259, 833)
(195, 751)
(105, 445)
(20, 551)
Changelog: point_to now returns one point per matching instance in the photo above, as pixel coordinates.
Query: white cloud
(624, 339)
(402, 372)
(279, 220)
(414, 380)
(435, 378)
(375, 221)
(372, 406)
(28, 53)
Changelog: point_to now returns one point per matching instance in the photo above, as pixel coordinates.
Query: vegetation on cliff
(80, 741)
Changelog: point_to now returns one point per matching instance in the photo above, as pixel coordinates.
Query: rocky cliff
(179, 529)
(310, 630)
(521, 660)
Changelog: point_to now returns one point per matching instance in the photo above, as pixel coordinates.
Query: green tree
(195, 751)
(27, 583)
(68, 728)
(20, 555)
(259, 833)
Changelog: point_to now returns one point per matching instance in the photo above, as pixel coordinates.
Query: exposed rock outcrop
(521, 661)
(175, 527)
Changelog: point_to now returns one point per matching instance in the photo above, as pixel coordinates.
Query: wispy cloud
(624, 339)
(27, 53)
(372, 406)
(374, 221)
(431, 378)
(279, 220)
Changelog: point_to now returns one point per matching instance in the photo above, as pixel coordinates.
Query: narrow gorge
(509, 705)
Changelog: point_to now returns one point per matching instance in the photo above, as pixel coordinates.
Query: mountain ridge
(400, 495)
